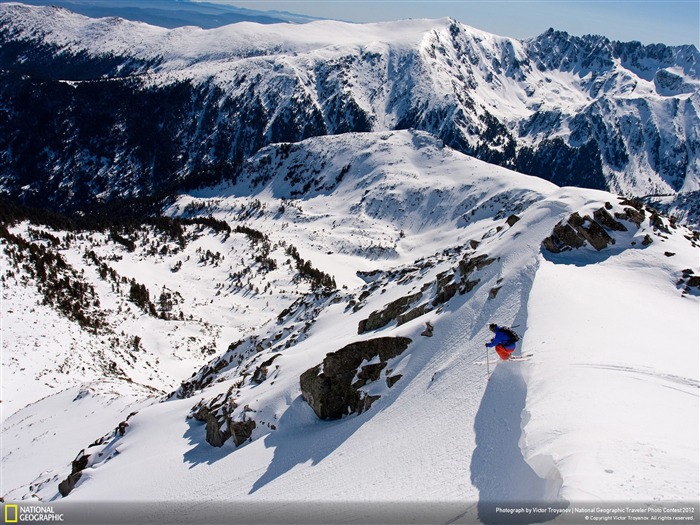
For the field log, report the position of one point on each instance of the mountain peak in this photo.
(574, 110)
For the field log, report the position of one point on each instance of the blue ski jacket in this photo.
(501, 338)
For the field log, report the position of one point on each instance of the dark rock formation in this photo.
(607, 221)
(564, 237)
(446, 288)
(412, 314)
(77, 466)
(260, 373)
(577, 230)
(216, 432)
(222, 421)
(391, 380)
(447, 285)
(121, 428)
(632, 215)
(591, 231)
(241, 430)
(216, 437)
(390, 312)
(67, 485)
(217, 416)
(467, 266)
(688, 281)
(332, 387)
(657, 222)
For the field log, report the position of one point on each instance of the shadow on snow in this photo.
(202, 451)
(304, 444)
(498, 468)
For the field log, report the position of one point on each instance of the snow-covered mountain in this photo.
(173, 13)
(98, 109)
(353, 278)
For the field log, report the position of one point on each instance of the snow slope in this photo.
(634, 434)
(605, 410)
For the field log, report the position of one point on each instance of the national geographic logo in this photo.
(14, 513)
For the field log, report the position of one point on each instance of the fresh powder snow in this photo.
(606, 410)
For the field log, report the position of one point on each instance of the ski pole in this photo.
(488, 373)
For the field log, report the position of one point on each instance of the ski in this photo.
(525, 357)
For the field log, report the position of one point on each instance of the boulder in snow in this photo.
(332, 388)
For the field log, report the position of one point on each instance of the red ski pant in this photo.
(503, 352)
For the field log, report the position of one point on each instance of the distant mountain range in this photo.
(100, 109)
(173, 13)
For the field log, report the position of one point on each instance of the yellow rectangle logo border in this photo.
(7, 508)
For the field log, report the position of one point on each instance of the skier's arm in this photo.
(498, 338)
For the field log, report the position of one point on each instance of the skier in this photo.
(504, 340)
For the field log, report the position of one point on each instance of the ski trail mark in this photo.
(649, 373)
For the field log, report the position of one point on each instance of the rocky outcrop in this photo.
(216, 414)
(446, 286)
(66, 486)
(633, 211)
(512, 219)
(241, 431)
(599, 231)
(333, 388)
(607, 221)
(412, 314)
(467, 267)
(224, 419)
(689, 282)
(216, 432)
(102, 449)
(595, 234)
(77, 466)
(261, 371)
(564, 237)
(578, 231)
(391, 311)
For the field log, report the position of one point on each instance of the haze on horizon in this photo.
(671, 22)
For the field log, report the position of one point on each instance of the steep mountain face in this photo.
(312, 336)
(94, 110)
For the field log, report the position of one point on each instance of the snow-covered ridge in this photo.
(577, 111)
(551, 50)
(435, 266)
(175, 13)
(74, 33)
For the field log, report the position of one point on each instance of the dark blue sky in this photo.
(651, 21)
